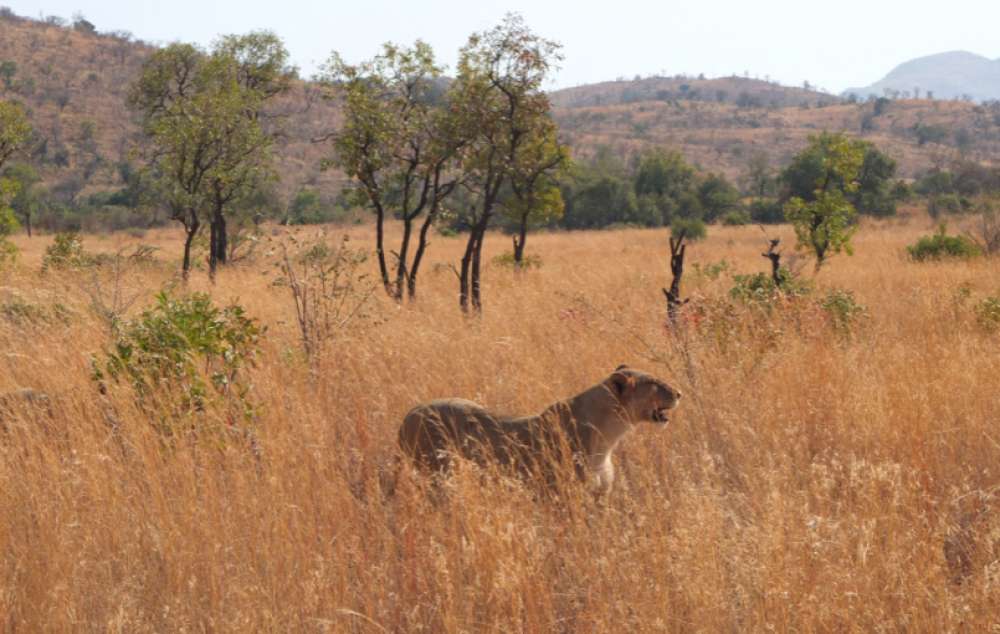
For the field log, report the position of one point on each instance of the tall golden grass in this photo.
(807, 482)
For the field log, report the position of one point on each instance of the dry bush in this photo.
(807, 482)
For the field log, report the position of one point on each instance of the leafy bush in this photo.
(843, 309)
(940, 245)
(945, 204)
(181, 355)
(736, 218)
(712, 270)
(988, 313)
(66, 252)
(760, 288)
(767, 212)
(693, 228)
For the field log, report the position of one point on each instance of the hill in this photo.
(735, 90)
(721, 137)
(952, 75)
(73, 80)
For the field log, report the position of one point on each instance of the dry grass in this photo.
(806, 483)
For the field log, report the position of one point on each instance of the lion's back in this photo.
(432, 428)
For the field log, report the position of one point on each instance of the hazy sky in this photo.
(834, 44)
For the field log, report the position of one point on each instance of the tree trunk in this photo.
(213, 237)
(191, 229)
(463, 278)
(477, 254)
(27, 224)
(222, 239)
(404, 254)
(380, 250)
(418, 256)
(519, 240)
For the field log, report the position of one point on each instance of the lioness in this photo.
(588, 425)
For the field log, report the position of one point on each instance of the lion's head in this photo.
(643, 396)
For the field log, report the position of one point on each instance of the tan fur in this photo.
(584, 429)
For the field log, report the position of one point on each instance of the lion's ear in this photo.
(621, 383)
(621, 367)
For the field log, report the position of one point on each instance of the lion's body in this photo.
(578, 433)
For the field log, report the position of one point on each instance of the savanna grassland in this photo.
(812, 479)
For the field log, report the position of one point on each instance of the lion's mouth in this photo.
(660, 415)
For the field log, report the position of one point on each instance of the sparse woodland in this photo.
(218, 452)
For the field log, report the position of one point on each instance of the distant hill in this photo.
(735, 90)
(954, 75)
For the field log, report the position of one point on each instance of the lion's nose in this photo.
(677, 396)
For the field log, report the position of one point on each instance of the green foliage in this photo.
(868, 187)
(693, 228)
(529, 261)
(202, 114)
(717, 197)
(824, 219)
(66, 252)
(759, 289)
(736, 217)
(950, 204)
(767, 211)
(941, 245)
(14, 133)
(877, 193)
(309, 207)
(843, 310)
(712, 270)
(14, 130)
(182, 355)
(988, 313)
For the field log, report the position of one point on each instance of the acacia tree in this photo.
(399, 144)
(824, 219)
(498, 97)
(202, 115)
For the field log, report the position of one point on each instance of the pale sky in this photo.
(834, 44)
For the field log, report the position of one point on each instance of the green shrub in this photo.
(843, 310)
(711, 271)
(66, 252)
(736, 218)
(988, 313)
(693, 228)
(181, 355)
(948, 203)
(760, 289)
(940, 245)
(767, 212)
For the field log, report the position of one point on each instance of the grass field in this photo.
(811, 480)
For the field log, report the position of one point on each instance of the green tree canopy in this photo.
(823, 217)
(399, 144)
(202, 113)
